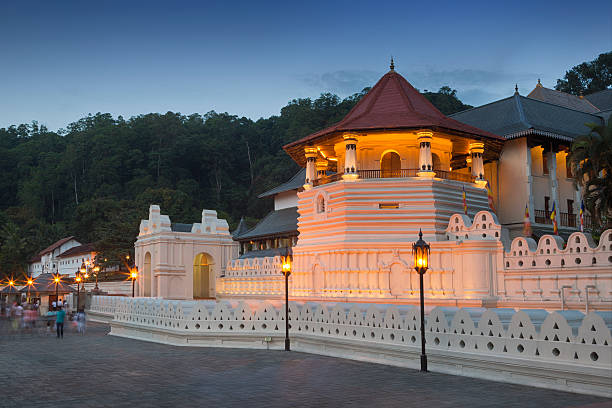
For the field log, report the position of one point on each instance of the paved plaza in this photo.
(97, 370)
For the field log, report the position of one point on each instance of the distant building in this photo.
(47, 260)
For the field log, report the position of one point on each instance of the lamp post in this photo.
(420, 252)
(30, 283)
(133, 276)
(78, 281)
(56, 279)
(287, 272)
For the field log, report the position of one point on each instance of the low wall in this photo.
(561, 350)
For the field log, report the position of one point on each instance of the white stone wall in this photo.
(286, 199)
(561, 350)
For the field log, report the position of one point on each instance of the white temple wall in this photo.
(515, 184)
(560, 350)
(286, 199)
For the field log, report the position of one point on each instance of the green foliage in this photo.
(96, 178)
(591, 161)
(588, 77)
(446, 100)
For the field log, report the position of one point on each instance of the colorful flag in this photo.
(464, 201)
(490, 197)
(553, 217)
(582, 216)
(527, 222)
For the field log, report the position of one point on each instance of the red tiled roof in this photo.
(77, 250)
(55, 245)
(395, 104)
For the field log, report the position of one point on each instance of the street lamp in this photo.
(96, 269)
(287, 272)
(78, 281)
(56, 279)
(30, 283)
(133, 276)
(420, 252)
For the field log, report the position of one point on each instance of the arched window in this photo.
(390, 165)
(320, 204)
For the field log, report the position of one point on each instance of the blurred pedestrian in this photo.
(59, 322)
(81, 322)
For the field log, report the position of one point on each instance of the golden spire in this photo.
(539, 85)
(516, 89)
(392, 66)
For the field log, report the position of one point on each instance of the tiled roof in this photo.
(44, 284)
(518, 115)
(241, 228)
(277, 222)
(77, 250)
(296, 182)
(394, 104)
(55, 245)
(562, 99)
(602, 99)
(264, 253)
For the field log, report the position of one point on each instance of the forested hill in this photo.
(96, 179)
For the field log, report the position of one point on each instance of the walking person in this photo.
(59, 322)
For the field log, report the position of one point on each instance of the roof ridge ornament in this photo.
(539, 85)
(516, 92)
(392, 66)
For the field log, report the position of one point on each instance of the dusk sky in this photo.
(62, 60)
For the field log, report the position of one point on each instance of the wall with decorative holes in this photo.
(563, 350)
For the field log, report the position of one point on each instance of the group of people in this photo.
(23, 317)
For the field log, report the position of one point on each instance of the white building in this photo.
(48, 260)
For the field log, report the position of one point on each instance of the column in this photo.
(321, 168)
(311, 158)
(554, 182)
(425, 160)
(350, 158)
(476, 152)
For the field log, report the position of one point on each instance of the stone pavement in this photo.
(96, 370)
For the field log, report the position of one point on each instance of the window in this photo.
(568, 167)
(320, 204)
(544, 162)
(546, 206)
(570, 207)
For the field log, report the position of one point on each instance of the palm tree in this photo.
(591, 162)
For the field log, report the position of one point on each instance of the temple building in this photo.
(394, 166)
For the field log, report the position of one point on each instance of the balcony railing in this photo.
(376, 174)
(565, 219)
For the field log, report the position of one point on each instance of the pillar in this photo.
(554, 181)
(425, 160)
(350, 158)
(476, 153)
(321, 166)
(311, 158)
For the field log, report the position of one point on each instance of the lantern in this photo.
(420, 252)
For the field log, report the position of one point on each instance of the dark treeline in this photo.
(96, 178)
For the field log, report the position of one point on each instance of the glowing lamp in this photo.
(420, 252)
(133, 274)
(83, 269)
(96, 269)
(127, 257)
(30, 282)
(56, 279)
(11, 282)
(78, 279)
(86, 275)
(286, 265)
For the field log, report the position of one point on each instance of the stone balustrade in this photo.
(561, 350)
(252, 276)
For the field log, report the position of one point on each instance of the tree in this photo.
(591, 162)
(588, 77)
(446, 100)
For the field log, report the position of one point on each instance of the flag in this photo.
(490, 197)
(582, 216)
(464, 201)
(553, 217)
(527, 222)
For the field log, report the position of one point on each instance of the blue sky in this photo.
(60, 60)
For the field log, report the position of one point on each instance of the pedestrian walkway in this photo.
(96, 370)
